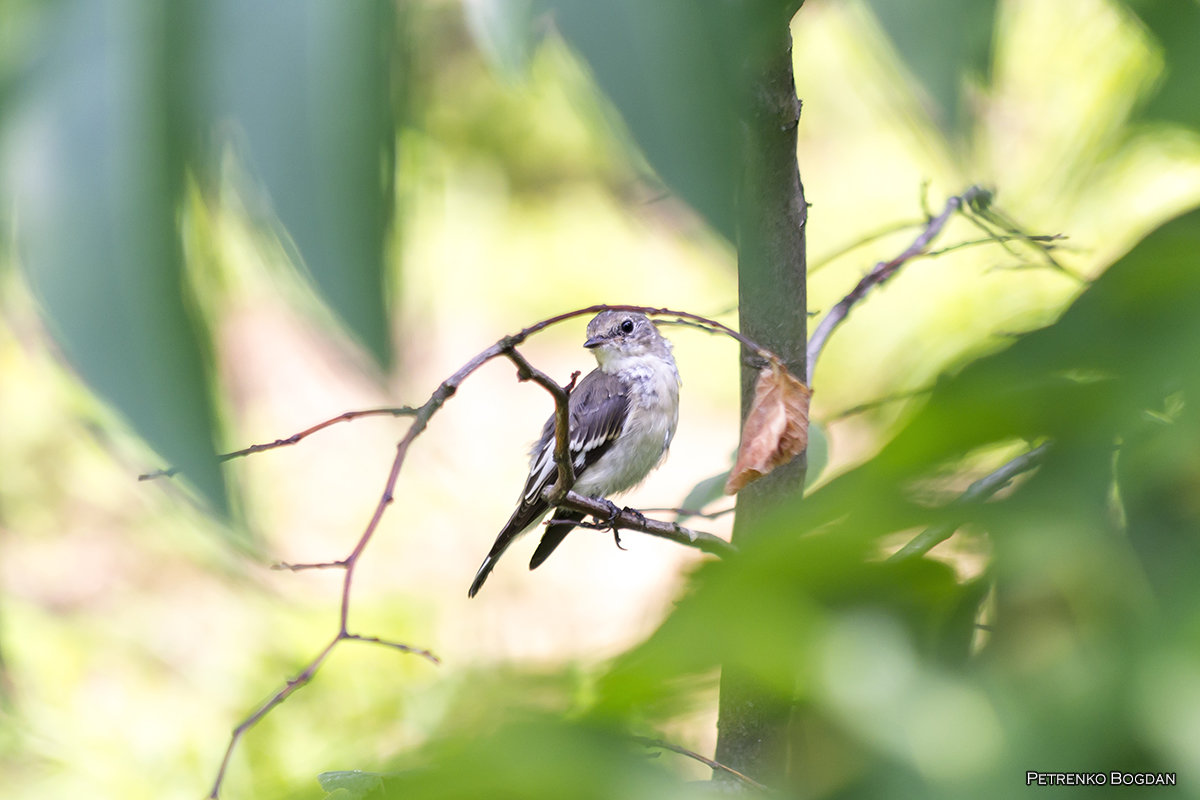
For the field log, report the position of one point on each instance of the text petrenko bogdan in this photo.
(1099, 778)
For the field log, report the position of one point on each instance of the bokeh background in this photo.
(140, 621)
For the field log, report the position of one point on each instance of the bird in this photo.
(622, 418)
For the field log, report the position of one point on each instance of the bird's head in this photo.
(618, 335)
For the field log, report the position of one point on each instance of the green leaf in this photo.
(96, 176)
(703, 493)
(350, 784)
(537, 755)
(310, 86)
(942, 42)
(1103, 602)
(1176, 25)
(672, 69)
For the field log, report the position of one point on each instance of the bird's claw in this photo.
(611, 520)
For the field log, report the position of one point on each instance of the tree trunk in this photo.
(752, 723)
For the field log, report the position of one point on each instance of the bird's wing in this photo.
(597, 411)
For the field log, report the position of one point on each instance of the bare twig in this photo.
(561, 496)
(562, 418)
(630, 520)
(400, 411)
(871, 405)
(405, 648)
(302, 678)
(683, 513)
(863, 241)
(708, 762)
(880, 274)
(649, 311)
(998, 239)
(420, 420)
(285, 565)
(987, 218)
(981, 489)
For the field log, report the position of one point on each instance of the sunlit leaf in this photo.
(1176, 25)
(704, 493)
(350, 784)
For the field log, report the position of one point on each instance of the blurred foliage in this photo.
(1176, 27)
(881, 653)
(128, 98)
(1083, 572)
(962, 55)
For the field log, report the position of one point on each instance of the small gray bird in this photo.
(622, 418)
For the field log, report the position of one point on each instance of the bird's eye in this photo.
(627, 326)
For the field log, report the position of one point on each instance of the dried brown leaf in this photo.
(776, 429)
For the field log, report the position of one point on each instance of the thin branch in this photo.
(502, 347)
(290, 567)
(881, 273)
(683, 513)
(874, 236)
(878, 402)
(981, 489)
(708, 762)
(404, 648)
(1053, 237)
(400, 411)
(420, 420)
(711, 324)
(630, 520)
(302, 679)
(985, 217)
(562, 418)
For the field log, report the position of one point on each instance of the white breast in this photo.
(653, 415)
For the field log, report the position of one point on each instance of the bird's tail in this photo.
(525, 517)
(481, 576)
(554, 535)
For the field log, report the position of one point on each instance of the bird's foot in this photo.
(616, 532)
(610, 521)
(613, 512)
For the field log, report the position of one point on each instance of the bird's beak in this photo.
(594, 341)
